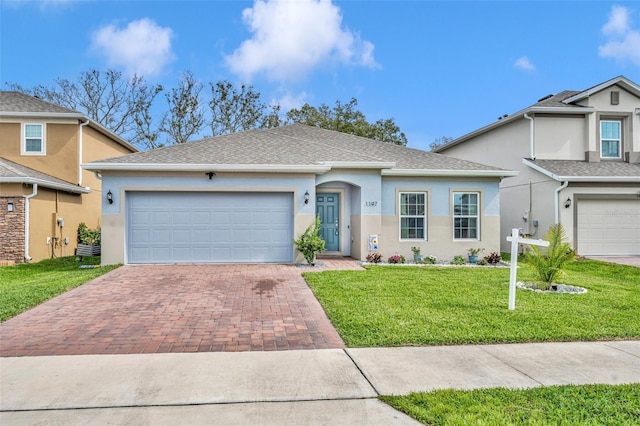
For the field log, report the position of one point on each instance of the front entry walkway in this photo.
(178, 308)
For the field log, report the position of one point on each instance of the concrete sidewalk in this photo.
(330, 386)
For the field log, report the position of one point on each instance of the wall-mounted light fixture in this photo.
(306, 197)
(110, 197)
(567, 203)
(210, 174)
(9, 207)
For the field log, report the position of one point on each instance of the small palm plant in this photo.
(549, 265)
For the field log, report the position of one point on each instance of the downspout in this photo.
(80, 151)
(26, 221)
(532, 153)
(556, 202)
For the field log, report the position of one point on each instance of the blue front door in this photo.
(328, 208)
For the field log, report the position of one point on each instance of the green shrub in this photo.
(310, 243)
(458, 260)
(549, 265)
(429, 260)
(88, 236)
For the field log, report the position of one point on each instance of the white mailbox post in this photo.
(516, 239)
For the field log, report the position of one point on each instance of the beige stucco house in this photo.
(578, 154)
(44, 192)
(244, 197)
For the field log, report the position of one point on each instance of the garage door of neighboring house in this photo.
(608, 227)
(205, 227)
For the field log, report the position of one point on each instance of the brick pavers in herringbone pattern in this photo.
(178, 308)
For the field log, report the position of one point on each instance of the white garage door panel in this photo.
(170, 227)
(609, 227)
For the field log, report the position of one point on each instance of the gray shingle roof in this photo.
(557, 100)
(294, 145)
(573, 168)
(20, 102)
(14, 172)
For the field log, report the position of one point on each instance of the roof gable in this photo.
(17, 104)
(619, 81)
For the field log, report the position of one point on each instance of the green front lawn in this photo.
(26, 285)
(554, 405)
(396, 306)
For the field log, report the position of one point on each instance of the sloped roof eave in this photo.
(573, 178)
(450, 173)
(178, 167)
(47, 184)
(18, 114)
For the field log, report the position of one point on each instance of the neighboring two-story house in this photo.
(578, 153)
(44, 193)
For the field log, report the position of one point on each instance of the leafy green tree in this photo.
(347, 118)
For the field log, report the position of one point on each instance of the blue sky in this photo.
(439, 68)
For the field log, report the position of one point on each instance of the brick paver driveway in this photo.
(176, 308)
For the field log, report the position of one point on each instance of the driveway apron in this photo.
(177, 308)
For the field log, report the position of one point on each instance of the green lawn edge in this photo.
(434, 305)
(551, 405)
(27, 285)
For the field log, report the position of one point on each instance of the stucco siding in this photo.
(45, 208)
(560, 137)
(504, 147)
(440, 243)
(439, 240)
(61, 157)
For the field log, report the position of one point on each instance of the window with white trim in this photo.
(466, 216)
(413, 215)
(33, 139)
(610, 139)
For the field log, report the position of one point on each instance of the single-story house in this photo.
(244, 197)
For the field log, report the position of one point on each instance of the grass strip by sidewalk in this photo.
(553, 405)
(26, 285)
(400, 306)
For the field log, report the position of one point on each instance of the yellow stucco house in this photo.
(44, 192)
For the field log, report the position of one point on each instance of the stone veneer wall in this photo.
(12, 229)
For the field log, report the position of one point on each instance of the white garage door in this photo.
(609, 227)
(198, 227)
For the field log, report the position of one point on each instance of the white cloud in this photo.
(524, 63)
(290, 38)
(623, 41)
(142, 47)
(289, 101)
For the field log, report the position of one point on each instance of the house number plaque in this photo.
(370, 203)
